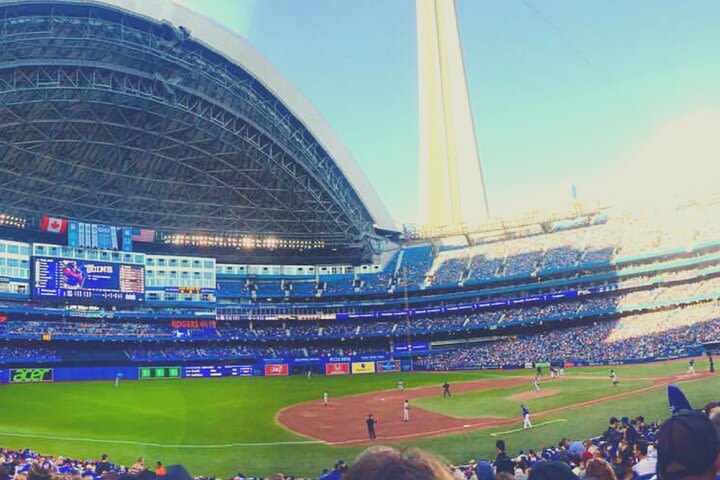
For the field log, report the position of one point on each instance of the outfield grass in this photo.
(496, 402)
(195, 422)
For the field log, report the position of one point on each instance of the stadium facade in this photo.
(172, 207)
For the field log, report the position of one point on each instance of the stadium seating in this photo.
(655, 335)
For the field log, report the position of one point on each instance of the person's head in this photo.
(613, 421)
(551, 471)
(714, 416)
(599, 469)
(688, 448)
(484, 470)
(385, 463)
(104, 456)
(640, 449)
(712, 410)
(500, 445)
(158, 464)
(370, 415)
(505, 476)
(37, 472)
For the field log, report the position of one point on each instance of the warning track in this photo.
(343, 421)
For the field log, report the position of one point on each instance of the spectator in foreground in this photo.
(385, 463)
(599, 469)
(138, 467)
(503, 463)
(688, 448)
(645, 465)
(160, 470)
(551, 471)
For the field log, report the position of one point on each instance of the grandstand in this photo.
(173, 208)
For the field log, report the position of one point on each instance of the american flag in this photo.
(143, 235)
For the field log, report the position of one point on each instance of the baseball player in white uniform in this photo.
(325, 398)
(536, 382)
(400, 385)
(406, 411)
(526, 417)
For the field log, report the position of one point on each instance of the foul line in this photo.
(159, 445)
(495, 434)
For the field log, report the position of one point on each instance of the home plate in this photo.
(466, 426)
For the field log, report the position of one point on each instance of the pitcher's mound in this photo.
(533, 395)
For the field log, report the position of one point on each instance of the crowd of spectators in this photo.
(604, 303)
(685, 446)
(155, 353)
(659, 334)
(415, 264)
(34, 354)
(60, 329)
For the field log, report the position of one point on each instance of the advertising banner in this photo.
(363, 367)
(337, 369)
(276, 369)
(31, 375)
(386, 366)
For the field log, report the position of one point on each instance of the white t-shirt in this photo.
(645, 466)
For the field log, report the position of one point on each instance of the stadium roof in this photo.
(144, 113)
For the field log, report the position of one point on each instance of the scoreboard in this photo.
(209, 371)
(87, 280)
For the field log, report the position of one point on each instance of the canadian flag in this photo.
(53, 224)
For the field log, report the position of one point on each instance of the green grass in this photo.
(193, 415)
(495, 402)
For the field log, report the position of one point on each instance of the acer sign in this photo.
(31, 375)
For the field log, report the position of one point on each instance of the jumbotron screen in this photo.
(87, 280)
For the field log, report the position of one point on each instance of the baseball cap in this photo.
(484, 471)
(688, 444)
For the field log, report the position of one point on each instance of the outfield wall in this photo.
(376, 364)
(268, 367)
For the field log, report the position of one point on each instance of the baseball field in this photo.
(264, 425)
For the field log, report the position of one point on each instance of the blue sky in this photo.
(620, 98)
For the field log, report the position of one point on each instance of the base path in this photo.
(342, 422)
